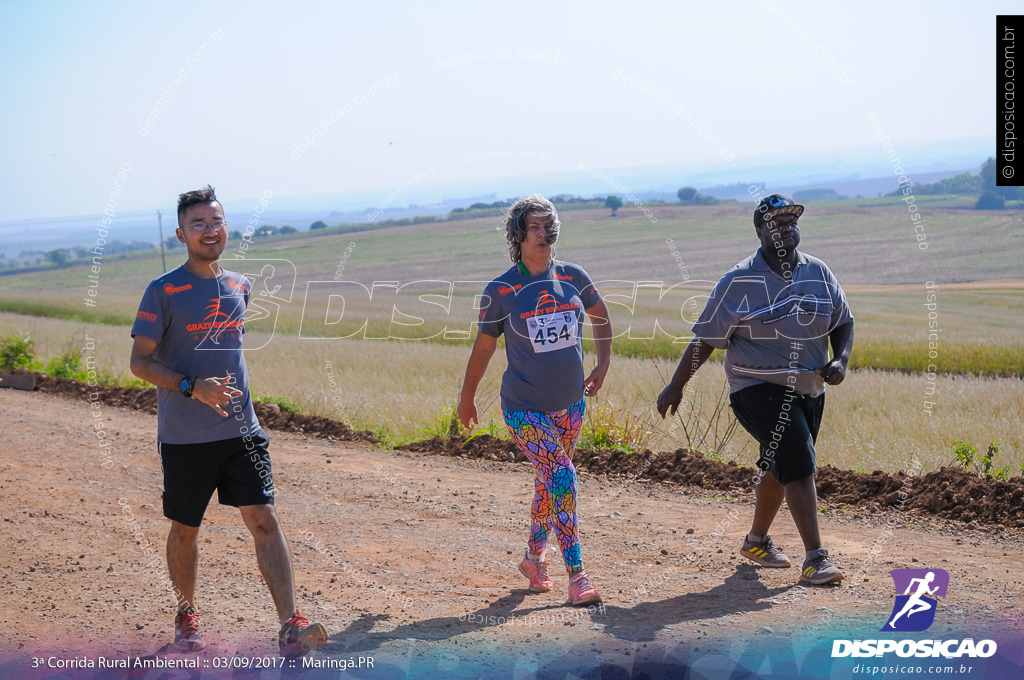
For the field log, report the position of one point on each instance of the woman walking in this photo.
(538, 304)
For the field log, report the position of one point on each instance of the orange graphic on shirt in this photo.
(214, 308)
(171, 290)
(212, 320)
(546, 298)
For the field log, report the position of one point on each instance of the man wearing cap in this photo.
(775, 315)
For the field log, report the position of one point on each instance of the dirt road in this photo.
(411, 560)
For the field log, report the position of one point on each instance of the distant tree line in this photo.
(498, 208)
(690, 196)
(817, 195)
(743, 191)
(992, 197)
(63, 257)
(236, 234)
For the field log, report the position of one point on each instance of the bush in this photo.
(67, 365)
(16, 351)
(444, 424)
(284, 403)
(968, 458)
(990, 200)
(964, 453)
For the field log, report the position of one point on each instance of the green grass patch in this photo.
(444, 424)
(286, 404)
(607, 426)
(958, 359)
(17, 352)
(63, 312)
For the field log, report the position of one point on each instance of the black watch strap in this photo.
(187, 391)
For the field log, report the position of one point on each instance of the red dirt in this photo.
(412, 558)
(949, 493)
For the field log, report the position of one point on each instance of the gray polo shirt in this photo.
(542, 320)
(774, 329)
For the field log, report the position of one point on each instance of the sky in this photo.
(296, 99)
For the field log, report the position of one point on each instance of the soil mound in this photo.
(144, 399)
(950, 493)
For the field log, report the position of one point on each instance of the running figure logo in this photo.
(546, 298)
(914, 610)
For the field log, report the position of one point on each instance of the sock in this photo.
(535, 558)
(811, 554)
(751, 539)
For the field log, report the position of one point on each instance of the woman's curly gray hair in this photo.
(515, 223)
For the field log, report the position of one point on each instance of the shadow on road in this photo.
(740, 593)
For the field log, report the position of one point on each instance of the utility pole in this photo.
(160, 225)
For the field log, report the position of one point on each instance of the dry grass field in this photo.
(875, 420)
(396, 270)
(401, 388)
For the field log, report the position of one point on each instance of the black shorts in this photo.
(239, 469)
(785, 424)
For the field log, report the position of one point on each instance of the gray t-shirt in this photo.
(198, 325)
(773, 329)
(542, 320)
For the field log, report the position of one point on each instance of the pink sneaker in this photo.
(537, 572)
(581, 591)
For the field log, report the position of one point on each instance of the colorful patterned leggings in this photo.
(549, 442)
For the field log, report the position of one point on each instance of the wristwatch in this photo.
(186, 386)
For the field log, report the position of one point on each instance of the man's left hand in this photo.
(216, 393)
(833, 373)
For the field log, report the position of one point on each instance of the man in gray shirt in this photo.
(775, 314)
(188, 342)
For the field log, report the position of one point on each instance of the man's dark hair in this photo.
(197, 197)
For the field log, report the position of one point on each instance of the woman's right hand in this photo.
(483, 349)
(467, 413)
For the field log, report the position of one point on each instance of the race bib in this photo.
(553, 331)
